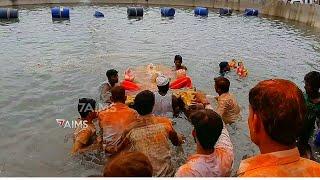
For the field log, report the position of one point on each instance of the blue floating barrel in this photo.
(201, 11)
(60, 13)
(167, 11)
(317, 139)
(251, 12)
(225, 11)
(98, 14)
(7, 13)
(135, 11)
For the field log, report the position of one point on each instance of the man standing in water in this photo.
(165, 101)
(85, 137)
(178, 63)
(105, 88)
(114, 120)
(224, 68)
(214, 156)
(276, 113)
(312, 99)
(150, 134)
(227, 107)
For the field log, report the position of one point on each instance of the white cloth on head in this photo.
(162, 80)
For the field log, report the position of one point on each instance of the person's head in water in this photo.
(178, 62)
(221, 85)
(129, 164)
(144, 102)
(207, 128)
(276, 114)
(86, 108)
(224, 67)
(163, 84)
(118, 94)
(312, 84)
(112, 76)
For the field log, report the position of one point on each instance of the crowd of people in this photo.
(136, 139)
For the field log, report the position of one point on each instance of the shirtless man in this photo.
(105, 88)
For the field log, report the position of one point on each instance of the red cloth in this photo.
(181, 83)
(130, 86)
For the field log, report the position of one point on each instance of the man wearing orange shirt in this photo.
(276, 114)
(114, 120)
(150, 135)
(214, 154)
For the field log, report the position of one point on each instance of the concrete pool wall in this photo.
(308, 14)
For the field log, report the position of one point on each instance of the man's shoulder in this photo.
(104, 85)
(184, 67)
(117, 108)
(114, 113)
(186, 171)
(302, 168)
(161, 119)
(309, 164)
(194, 167)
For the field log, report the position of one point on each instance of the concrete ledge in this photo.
(305, 13)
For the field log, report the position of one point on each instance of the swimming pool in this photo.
(46, 66)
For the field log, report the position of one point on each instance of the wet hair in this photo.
(111, 72)
(313, 78)
(222, 83)
(85, 106)
(118, 94)
(164, 89)
(144, 102)
(208, 126)
(178, 58)
(280, 106)
(129, 164)
(223, 65)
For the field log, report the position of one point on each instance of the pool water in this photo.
(47, 66)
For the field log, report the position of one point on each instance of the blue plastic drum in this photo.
(225, 11)
(60, 13)
(251, 12)
(167, 11)
(98, 14)
(7, 13)
(317, 139)
(135, 11)
(201, 11)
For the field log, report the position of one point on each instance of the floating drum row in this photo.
(135, 11)
(63, 13)
(7, 13)
(201, 11)
(60, 13)
(251, 12)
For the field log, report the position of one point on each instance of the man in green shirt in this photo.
(312, 99)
